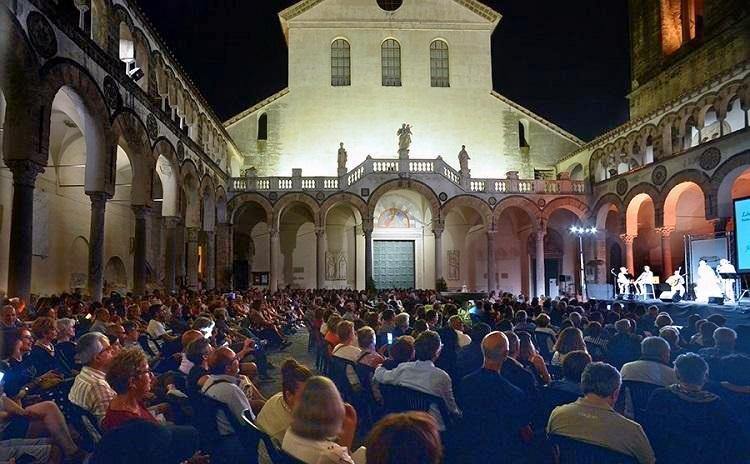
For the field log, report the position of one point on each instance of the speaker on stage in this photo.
(717, 300)
(667, 296)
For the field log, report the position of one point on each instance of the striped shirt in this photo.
(92, 392)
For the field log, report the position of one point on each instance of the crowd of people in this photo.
(400, 376)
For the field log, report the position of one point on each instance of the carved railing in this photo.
(416, 168)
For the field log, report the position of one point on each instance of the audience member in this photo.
(592, 420)
(276, 415)
(570, 339)
(405, 438)
(90, 389)
(654, 366)
(624, 346)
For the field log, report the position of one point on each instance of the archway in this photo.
(251, 250)
(684, 214)
(576, 172)
(403, 245)
(298, 258)
(115, 276)
(465, 230)
(561, 252)
(344, 247)
(642, 241)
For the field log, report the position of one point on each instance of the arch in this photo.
(341, 62)
(722, 181)
(167, 173)
(468, 201)
(262, 126)
(574, 205)
(648, 189)
(115, 274)
(600, 211)
(576, 172)
(632, 210)
(132, 137)
(93, 113)
(291, 198)
(338, 199)
(672, 198)
(404, 184)
(222, 214)
(690, 175)
(236, 205)
(516, 201)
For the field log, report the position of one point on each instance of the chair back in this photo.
(84, 422)
(541, 340)
(570, 451)
(596, 351)
(639, 393)
(337, 371)
(397, 398)
(275, 454)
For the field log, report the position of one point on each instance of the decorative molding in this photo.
(41, 34)
(659, 175)
(152, 127)
(112, 93)
(709, 159)
(622, 187)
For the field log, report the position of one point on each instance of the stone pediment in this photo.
(469, 13)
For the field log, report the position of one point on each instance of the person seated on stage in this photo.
(724, 341)
(677, 283)
(593, 420)
(688, 424)
(645, 281)
(653, 366)
(725, 267)
(623, 281)
(706, 283)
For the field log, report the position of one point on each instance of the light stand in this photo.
(580, 232)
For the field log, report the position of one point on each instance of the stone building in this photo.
(117, 175)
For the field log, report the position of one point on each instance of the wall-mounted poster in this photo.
(260, 278)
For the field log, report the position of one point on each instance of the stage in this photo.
(680, 311)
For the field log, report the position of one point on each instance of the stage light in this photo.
(580, 231)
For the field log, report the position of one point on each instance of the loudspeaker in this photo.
(717, 300)
(666, 296)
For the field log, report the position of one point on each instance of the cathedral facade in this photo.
(388, 160)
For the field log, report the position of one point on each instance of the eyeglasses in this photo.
(143, 371)
(27, 337)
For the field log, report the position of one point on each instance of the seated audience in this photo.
(624, 346)
(130, 377)
(43, 357)
(197, 353)
(592, 419)
(319, 418)
(734, 389)
(724, 341)
(515, 372)
(66, 345)
(90, 389)
(531, 359)
(276, 415)
(347, 347)
(457, 325)
(470, 358)
(405, 438)
(688, 424)
(422, 374)
(21, 378)
(400, 352)
(366, 340)
(402, 325)
(672, 336)
(653, 367)
(494, 410)
(570, 339)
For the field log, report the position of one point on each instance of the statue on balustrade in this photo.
(404, 140)
(342, 157)
(463, 160)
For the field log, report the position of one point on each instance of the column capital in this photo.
(491, 233)
(438, 227)
(367, 225)
(320, 232)
(665, 232)
(273, 232)
(170, 222)
(24, 171)
(140, 211)
(627, 239)
(98, 197)
(192, 234)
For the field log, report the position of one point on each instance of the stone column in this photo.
(491, 283)
(540, 277)
(600, 252)
(367, 228)
(179, 253)
(666, 251)
(21, 225)
(210, 257)
(629, 261)
(320, 235)
(273, 281)
(96, 244)
(437, 230)
(139, 252)
(223, 255)
(192, 257)
(170, 253)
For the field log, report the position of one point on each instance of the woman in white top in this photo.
(322, 428)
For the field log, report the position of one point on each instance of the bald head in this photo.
(222, 361)
(494, 349)
(190, 336)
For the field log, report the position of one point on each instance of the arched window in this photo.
(523, 134)
(263, 127)
(439, 69)
(391, 63)
(340, 63)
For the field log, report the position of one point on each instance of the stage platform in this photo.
(680, 311)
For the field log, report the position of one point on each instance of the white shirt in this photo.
(463, 339)
(275, 417)
(155, 329)
(425, 377)
(647, 371)
(91, 391)
(315, 452)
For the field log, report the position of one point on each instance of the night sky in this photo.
(565, 60)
